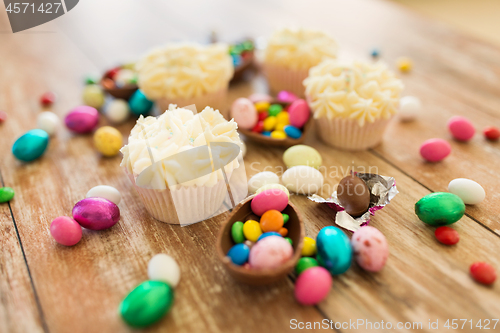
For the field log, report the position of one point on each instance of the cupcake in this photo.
(352, 103)
(185, 74)
(291, 53)
(177, 190)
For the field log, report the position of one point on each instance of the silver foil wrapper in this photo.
(382, 191)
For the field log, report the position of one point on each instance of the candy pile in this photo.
(120, 77)
(242, 55)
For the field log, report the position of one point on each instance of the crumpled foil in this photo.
(382, 191)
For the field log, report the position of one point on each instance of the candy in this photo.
(111, 73)
(244, 113)
(262, 106)
(274, 109)
(278, 187)
(108, 141)
(270, 252)
(286, 97)
(490, 133)
(434, 150)
(237, 232)
(267, 234)
(447, 235)
(266, 133)
(261, 116)
(283, 118)
(106, 192)
(483, 273)
(82, 119)
(117, 111)
(90, 79)
(124, 77)
(461, 128)
(302, 179)
(96, 213)
(139, 103)
(267, 200)
(48, 121)
(299, 113)
(252, 230)
(3, 116)
(375, 53)
(404, 64)
(289, 240)
(305, 263)
(163, 267)
(312, 286)
(6, 194)
(272, 220)
(370, 248)
(293, 132)
(302, 155)
(286, 217)
(283, 232)
(280, 135)
(239, 254)
(353, 195)
(334, 250)
(280, 128)
(66, 231)
(468, 190)
(269, 123)
(48, 99)
(147, 303)
(440, 208)
(309, 248)
(261, 179)
(30, 145)
(409, 108)
(259, 127)
(93, 96)
(257, 97)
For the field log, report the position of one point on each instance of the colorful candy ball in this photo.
(483, 273)
(370, 248)
(270, 252)
(313, 285)
(461, 128)
(267, 200)
(163, 267)
(139, 104)
(446, 235)
(117, 111)
(309, 248)
(272, 220)
(82, 119)
(108, 141)
(491, 133)
(96, 213)
(93, 96)
(239, 254)
(30, 145)
(435, 150)
(66, 231)
(48, 121)
(244, 113)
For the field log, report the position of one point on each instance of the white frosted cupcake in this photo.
(289, 55)
(166, 186)
(352, 103)
(185, 74)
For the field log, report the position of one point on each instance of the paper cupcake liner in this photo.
(216, 100)
(347, 134)
(282, 78)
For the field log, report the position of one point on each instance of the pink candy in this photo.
(66, 231)
(82, 119)
(434, 150)
(461, 128)
(286, 97)
(269, 199)
(244, 113)
(96, 213)
(270, 252)
(370, 248)
(299, 113)
(313, 285)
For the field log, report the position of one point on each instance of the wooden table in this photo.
(45, 287)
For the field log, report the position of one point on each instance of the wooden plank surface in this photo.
(80, 288)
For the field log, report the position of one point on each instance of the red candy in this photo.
(3, 116)
(263, 115)
(112, 73)
(48, 99)
(259, 127)
(483, 272)
(491, 133)
(447, 235)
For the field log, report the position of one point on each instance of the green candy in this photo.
(305, 263)
(289, 240)
(147, 303)
(90, 80)
(274, 109)
(6, 194)
(285, 218)
(237, 232)
(440, 208)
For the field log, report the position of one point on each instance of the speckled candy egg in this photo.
(82, 119)
(312, 286)
(267, 200)
(108, 141)
(262, 178)
(93, 96)
(117, 111)
(302, 179)
(139, 103)
(270, 252)
(48, 121)
(30, 145)
(106, 192)
(334, 250)
(244, 113)
(370, 248)
(96, 213)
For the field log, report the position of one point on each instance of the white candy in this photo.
(106, 192)
(124, 77)
(117, 111)
(261, 179)
(48, 121)
(468, 190)
(409, 108)
(164, 268)
(302, 179)
(273, 186)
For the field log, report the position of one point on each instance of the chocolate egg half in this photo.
(353, 195)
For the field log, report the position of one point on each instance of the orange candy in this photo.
(272, 220)
(283, 232)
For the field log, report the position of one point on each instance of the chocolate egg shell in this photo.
(353, 195)
(96, 213)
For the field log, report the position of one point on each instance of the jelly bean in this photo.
(283, 118)
(259, 127)
(334, 250)
(302, 179)
(440, 208)
(267, 200)
(244, 113)
(302, 155)
(309, 248)
(483, 273)
(404, 64)
(447, 235)
(375, 53)
(275, 109)
(117, 111)
(435, 150)
(257, 97)
(280, 128)
(147, 303)
(163, 267)
(461, 128)
(139, 104)
(266, 133)
(252, 230)
(277, 187)
(370, 248)
(267, 234)
(262, 178)
(106, 192)
(48, 99)
(66, 231)
(289, 240)
(272, 220)
(280, 135)
(299, 113)
(3, 116)
(468, 190)
(96, 213)
(286, 217)
(409, 108)
(262, 106)
(286, 97)
(283, 232)
(269, 123)
(292, 132)
(82, 119)
(108, 141)
(262, 115)
(239, 254)
(48, 121)
(312, 286)
(237, 232)
(491, 133)
(31, 145)
(270, 252)
(6, 194)
(93, 96)
(305, 263)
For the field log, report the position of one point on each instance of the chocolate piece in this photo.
(353, 195)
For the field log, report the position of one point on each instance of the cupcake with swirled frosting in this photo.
(289, 55)
(185, 74)
(352, 103)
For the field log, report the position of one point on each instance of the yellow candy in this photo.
(278, 135)
(283, 118)
(251, 230)
(262, 106)
(404, 64)
(108, 140)
(269, 123)
(309, 248)
(280, 127)
(93, 96)
(273, 186)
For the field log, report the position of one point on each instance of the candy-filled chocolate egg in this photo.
(96, 213)
(353, 195)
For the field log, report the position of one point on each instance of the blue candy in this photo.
(239, 254)
(334, 250)
(375, 53)
(139, 104)
(236, 60)
(293, 132)
(266, 133)
(267, 234)
(31, 145)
